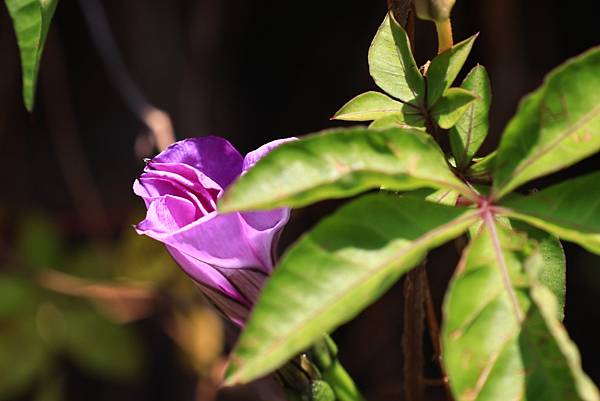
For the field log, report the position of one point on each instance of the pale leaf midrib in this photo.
(370, 274)
(542, 151)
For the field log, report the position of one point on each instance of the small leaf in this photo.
(570, 210)
(409, 118)
(444, 197)
(31, 21)
(392, 64)
(555, 126)
(445, 67)
(390, 121)
(368, 106)
(482, 167)
(347, 262)
(340, 163)
(491, 351)
(471, 129)
(451, 106)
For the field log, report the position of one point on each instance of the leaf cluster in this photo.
(502, 333)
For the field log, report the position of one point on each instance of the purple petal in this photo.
(183, 181)
(232, 291)
(157, 187)
(236, 312)
(205, 274)
(254, 156)
(219, 240)
(213, 156)
(263, 229)
(215, 286)
(183, 174)
(167, 214)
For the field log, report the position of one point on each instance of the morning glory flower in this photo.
(228, 255)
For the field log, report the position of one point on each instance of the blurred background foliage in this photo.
(91, 311)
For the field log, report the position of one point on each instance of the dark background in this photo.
(250, 71)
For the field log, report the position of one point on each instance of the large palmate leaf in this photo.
(570, 210)
(340, 163)
(445, 67)
(368, 106)
(501, 336)
(391, 62)
(471, 129)
(31, 20)
(336, 270)
(555, 126)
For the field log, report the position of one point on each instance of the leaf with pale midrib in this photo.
(368, 106)
(554, 127)
(451, 107)
(495, 350)
(335, 271)
(471, 129)
(341, 163)
(392, 65)
(445, 67)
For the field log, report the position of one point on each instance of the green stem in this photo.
(324, 354)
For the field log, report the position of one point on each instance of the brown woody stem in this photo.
(412, 334)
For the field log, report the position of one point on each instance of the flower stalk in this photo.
(444, 33)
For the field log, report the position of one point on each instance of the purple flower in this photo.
(228, 255)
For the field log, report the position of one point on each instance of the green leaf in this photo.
(501, 338)
(445, 67)
(451, 107)
(347, 262)
(482, 167)
(570, 210)
(471, 129)
(390, 121)
(444, 196)
(368, 106)
(409, 118)
(31, 21)
(392, 64)
(555, 126)
(340, 163)
(554, 264)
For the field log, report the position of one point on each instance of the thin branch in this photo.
(60, 117)
(434, 334)
(157, 121)
(412, 334)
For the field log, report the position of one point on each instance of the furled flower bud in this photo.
(434, 10)
(228, 255)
